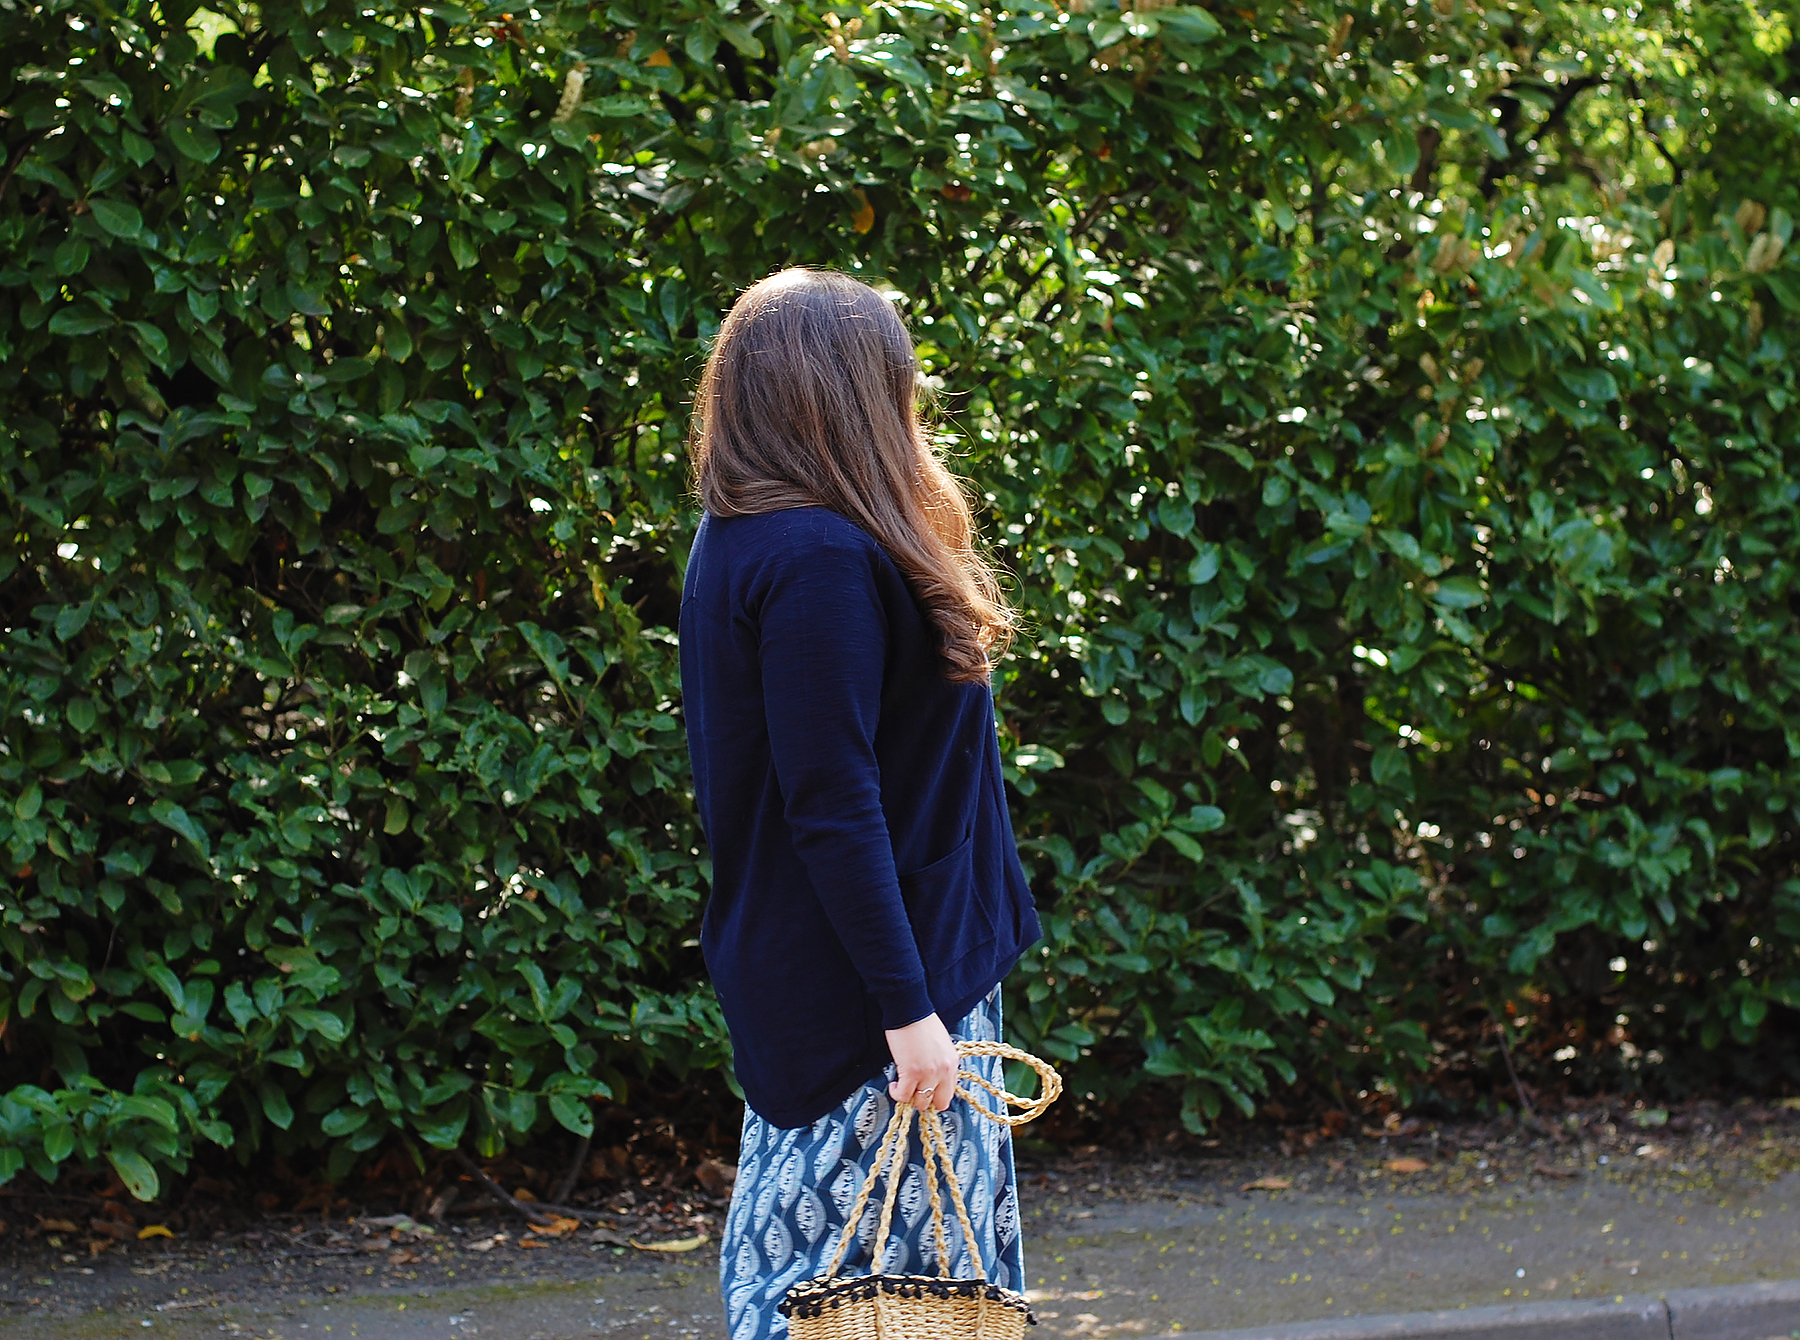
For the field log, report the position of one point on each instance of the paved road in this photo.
(1234, 1260)
(1113, 1251)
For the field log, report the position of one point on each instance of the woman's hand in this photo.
(927, 1061)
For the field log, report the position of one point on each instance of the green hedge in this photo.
(1388, 414)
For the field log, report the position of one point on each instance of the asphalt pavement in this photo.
(1349, 1235)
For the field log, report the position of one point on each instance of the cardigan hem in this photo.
(953, 1012)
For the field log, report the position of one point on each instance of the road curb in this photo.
(1736, 1311)
(1763, 1311)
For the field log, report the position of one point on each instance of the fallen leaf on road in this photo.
(56, 1226)
(1268, 1184)
(112, 1228)
(678, 1245)
(485, 1244)
(1393, 1126)
(1545, 1170)
(532, 1242)
(149, 1231)
(717, 1178)
(1407, 1165)
(605, 1237)
(557, 1226)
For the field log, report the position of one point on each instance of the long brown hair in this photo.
(810, 398)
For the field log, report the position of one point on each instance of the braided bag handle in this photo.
(890, 1157)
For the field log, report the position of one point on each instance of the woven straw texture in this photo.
(921, 1307)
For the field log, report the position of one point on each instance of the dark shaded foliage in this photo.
(1388, 415)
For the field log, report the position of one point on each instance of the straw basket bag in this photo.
(921, 1307)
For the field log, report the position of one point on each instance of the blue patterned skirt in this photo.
(795, 1189)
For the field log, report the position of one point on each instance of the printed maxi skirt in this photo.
(795, 1189)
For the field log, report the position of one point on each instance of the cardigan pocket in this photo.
(952, 911)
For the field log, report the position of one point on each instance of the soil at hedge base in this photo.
(305, 1261)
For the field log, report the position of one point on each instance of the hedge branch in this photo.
(1506, 1055)
(567, 1184)
(530, 1212)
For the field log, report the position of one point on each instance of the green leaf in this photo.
(1595, 385)
(572, 1113)
(121, 219)
(79, 320)
(193, 141)
(138, 149)
(344, 1120)
(742, 38)
(171, 815)
(59, 1141)
(1184, 844)
(1176, 515)
(136, 1172)
(153, 1110)
(72, 619)
(462, 248)
(1316, 990)
(275, 1105)
(620, 105)
(1392, 768)
(444, 1128)
(326, 1024)
(1459, 593)
(1188, 25)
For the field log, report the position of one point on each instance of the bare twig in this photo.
(18, 158)
(530, 1212)
(571, 1212)
(1637, 96)
(441, 1203)
(1506, 1055)
(537, 1212)
(1429, 138)
(567, 1185)
(1006, 224)
(1559, 111)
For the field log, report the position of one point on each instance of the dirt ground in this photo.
(1277, 1226)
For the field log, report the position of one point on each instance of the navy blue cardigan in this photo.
(863, 867)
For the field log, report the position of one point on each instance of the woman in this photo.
(836, 628)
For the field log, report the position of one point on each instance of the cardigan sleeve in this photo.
(823, 648)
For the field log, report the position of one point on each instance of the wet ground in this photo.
(1414, 1217)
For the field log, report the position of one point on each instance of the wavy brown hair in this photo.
(810, 398)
